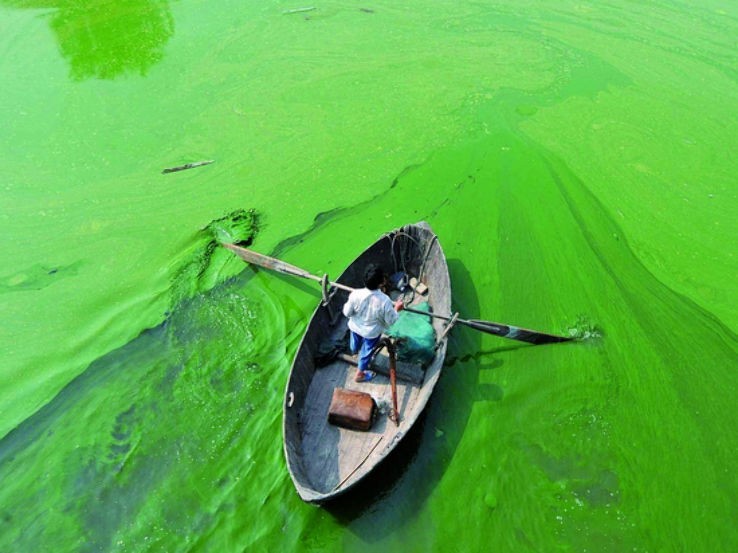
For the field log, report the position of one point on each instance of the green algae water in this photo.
(575, 159)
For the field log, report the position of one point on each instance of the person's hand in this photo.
(399, 306)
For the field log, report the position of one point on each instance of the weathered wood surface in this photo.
(409, 372)
(335, 452)
(325, 460)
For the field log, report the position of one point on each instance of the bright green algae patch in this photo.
(575, 162)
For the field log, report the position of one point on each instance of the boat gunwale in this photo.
(434, 369)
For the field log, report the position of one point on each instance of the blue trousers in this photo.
(363, 346)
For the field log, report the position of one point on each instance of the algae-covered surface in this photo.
(576, 159)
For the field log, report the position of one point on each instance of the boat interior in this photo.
(325, 458)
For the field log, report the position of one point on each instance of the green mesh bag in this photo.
(416, 334)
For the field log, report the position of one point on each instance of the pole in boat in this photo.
(391, 345)
(395, 414)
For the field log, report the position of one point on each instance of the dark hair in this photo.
(373, 276)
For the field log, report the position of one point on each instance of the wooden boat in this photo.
(325, 460)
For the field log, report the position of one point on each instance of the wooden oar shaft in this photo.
(505, 331)
(497, 329)
(428, 314)
(280, 266)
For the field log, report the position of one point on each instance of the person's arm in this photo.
(349, 309)
(391, 313)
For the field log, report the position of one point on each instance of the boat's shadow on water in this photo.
(398, 488)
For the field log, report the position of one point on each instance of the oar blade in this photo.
(267, 262)
(514, 332)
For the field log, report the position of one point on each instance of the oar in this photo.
(276, 265)
(506, 331)
(497, 329)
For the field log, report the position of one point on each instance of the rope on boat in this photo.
(342, 482)
(449, 325)
(324, 289)
(426, 256)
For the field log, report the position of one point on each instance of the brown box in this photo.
(353, 410)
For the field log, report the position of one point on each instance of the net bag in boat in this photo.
(417, 338)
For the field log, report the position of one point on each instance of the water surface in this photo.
(577, 163)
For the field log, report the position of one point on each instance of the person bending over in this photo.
(370, 312)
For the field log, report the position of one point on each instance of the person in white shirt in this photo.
(370, 312)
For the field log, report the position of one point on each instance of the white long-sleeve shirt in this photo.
(370, 312)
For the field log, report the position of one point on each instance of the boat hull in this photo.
(324, 460)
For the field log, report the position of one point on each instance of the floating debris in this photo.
(366, 10)
(299, 10)
(187, 166)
